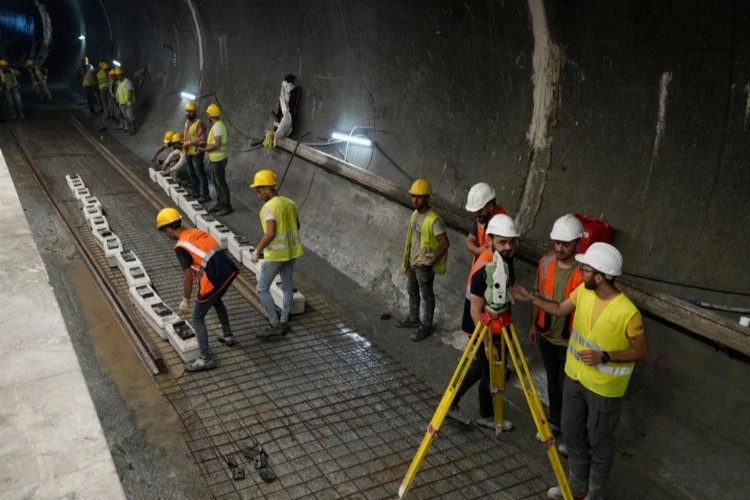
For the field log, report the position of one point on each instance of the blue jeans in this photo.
(268, 272)
(197, 173)
(200, 309)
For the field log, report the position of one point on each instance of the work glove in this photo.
(255, 257)
(184, 308)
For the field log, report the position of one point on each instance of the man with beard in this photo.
(217, 147)
(482, 203)
(425, 255)
(557, 276)
(605, 342)
(502, 233)
(195, 137)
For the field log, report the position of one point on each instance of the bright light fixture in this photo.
(188, 96)
(82, 38)
(362, 141)
(116, 63)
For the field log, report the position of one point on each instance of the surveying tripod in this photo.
(489, 324)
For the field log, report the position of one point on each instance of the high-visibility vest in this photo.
(482, 237)
(89, 79)
(212, 273)
(103, 79)
(608, 334)
(484, 261)
(546, 286)
(218, 154)
(191, 134)
(287, 243)
(428, 243)
(122, 92)
(481, 261)
(8, 78)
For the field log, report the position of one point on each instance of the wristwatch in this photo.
(532, 296)
(605, 357)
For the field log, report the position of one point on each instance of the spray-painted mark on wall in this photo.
(223, 51)
(661, 125)
(747, 105)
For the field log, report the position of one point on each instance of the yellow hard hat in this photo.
(3, 63)
(103, 64)
(168, 136)
(421, 187)
(117, 72)
(213, 110)
(29, 62)
(85, 60)
(264, 178)
(166, 216)
(111, 72)
(190, 106)
(176, 137)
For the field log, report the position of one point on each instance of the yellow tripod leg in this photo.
(475, 343)
(497, 383)
(535, 406)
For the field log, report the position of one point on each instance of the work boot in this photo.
(422, 333)
(225, 211)
(562, 449)
(215, 208)
(200, 365)
(227, 340)
(455, 415)
(204, 199)
(408, 323)
(489, 423)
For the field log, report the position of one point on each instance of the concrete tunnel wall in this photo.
(634, 112)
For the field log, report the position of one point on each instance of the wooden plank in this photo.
(702, 322)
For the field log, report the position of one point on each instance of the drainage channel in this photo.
(336, 415)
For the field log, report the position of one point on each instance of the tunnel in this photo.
(631, 114)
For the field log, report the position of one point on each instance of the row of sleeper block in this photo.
(237, 245)
(162, 319)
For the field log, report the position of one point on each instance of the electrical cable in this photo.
(226, 116)
(707, 288)
(294, 153)
(719, 307)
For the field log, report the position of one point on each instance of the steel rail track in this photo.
(147, 351)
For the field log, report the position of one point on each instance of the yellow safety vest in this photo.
(103, 79)
(218, 154)
(608, 334)
(191, 133)
(427, 241)
(89, 79)
(8, 78)
(287, 244)
(122, 92)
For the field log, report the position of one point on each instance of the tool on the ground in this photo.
(488, 323)
(238, 473)
(258, 455)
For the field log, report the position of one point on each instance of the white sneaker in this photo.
(200, 365)
(562, 449)
(489, 423)
(554, 493)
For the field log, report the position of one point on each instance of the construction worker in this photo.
(202, 260)
(90, 87)
(425, 255)
(9, 80)
(502, 232)
(166, 143)
(288, 101)
(38, 77)
(557, 276)
(125, 100)
(482, 203)
(175, 165)
(113, 83)
(194, 133)
(103, 83)
(605, 342)
(281, 246)
(217, 145)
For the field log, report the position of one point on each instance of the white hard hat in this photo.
(502, 225)
(479, 195)
(603, 257)
(566, 228)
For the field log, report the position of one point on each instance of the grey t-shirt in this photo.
(416, 235)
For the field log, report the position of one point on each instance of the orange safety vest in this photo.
(482, 237)
(202, 248)
(546, 286)
(480, 263)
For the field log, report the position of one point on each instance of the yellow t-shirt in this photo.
(635, 325)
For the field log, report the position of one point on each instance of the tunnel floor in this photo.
(336, 414)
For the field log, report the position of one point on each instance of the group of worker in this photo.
(109, 92)
(10, 87)
(590, 334)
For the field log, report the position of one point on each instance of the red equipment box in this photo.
(594, 230)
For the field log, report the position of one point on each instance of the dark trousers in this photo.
(553, 357)
(588, 424)
(218, 177)
(197, 173)
(479, 371)
(92, 99)
(419, 283)
(200, 309)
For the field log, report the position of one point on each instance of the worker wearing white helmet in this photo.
(480, 297)
(557, 276)
(605, 342)
(482, 203)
